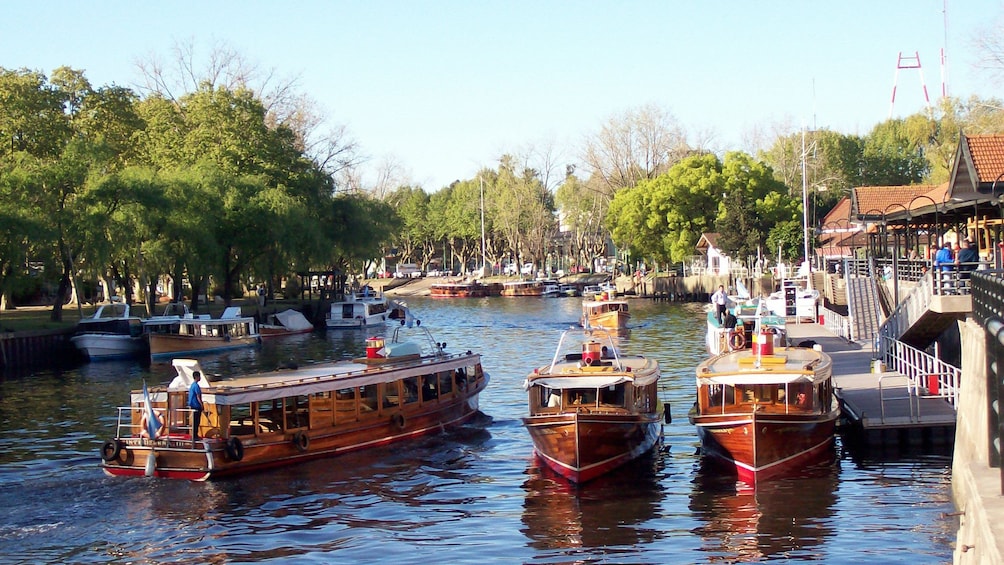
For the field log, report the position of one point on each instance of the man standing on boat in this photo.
(195, 404)
(719, 299)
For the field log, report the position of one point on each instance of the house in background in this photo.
(711, 260)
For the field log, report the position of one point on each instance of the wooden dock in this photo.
(879, 408)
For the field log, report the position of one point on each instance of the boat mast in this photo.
(483, 259)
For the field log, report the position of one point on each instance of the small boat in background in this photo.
(110, 333)
(192, 334)
(765, 411)
(287, 322)
(401, 389)
(463, 289)
(606, 312)
(360, 309)
(592, 409)
(523, 288)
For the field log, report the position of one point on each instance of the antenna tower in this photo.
(908, 62)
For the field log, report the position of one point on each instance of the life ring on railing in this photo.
(737, 340)
(111, 449)
(302, 441)
(398, 420)
(234, 449)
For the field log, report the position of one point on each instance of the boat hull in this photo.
(108, 346)
(583, 446)
(614, 320)
(457, 291)
(163, 345)
(765, 446)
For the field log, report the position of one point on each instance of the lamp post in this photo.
(484, 262)
(895, 253)
(805, 213)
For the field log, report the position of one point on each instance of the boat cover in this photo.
(293, 320)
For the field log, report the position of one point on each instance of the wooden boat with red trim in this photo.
(592, 409)
(195, 334)
(523, 288)
(400, 390)
(766, 411)
(463, 289)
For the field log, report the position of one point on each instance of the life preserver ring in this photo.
(737, 340)
(398, 420)
(234, 449)
(302, 441)
(111, 449)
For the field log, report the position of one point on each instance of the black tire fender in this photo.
(302, 441)
(234, 449)
(111, 449)
(398, 420)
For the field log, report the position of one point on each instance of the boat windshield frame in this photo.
(586, 334)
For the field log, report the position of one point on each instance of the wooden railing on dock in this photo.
(28, 349)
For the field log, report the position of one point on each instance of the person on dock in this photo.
(966, 261)
(195, 404)
(719, 299)
(944, 262)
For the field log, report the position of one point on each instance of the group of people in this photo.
(961, 258)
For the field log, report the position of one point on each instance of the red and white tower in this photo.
(908, 62)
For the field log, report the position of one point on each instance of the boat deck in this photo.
(879, 405)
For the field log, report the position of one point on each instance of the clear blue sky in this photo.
(446, 87)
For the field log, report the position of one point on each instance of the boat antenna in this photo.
(756, 333)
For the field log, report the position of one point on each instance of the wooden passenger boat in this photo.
(766, 411)
(360, 309)
(192, 334)
(398, 391)
(464, 289)
(523, 288)
(604, 312)
(112, 332)
(287, 322)
(592, 409)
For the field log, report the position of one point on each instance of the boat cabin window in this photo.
(241, 420)
(757, 393)
(612, 395)
(550, 397)
(717, 394)
(801, 395)
(270, 416)
(390, 395)
(445, 383)
(460, 378)
(582, 396)
(367, 400)
(345, 404)
(321, 409)
(409, 387)
(430, 391)
(297, 411)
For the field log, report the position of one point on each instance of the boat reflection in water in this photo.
(558, 515)
(789, 518)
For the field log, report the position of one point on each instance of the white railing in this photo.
(837, 324)
(925, 372)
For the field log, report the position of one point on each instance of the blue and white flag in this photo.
(152, 422)
(741, 290)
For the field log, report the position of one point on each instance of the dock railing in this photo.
(927, 375)
(912, 399)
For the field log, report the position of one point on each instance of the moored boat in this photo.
(593, 409)
(191, 334)
(724, 336)
(605, 312)
(766, 411)
(399, 390)
(112, 332)
(522, 288)
(462, 289)
(287, 322)
(359, 310)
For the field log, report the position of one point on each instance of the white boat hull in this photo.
(108, 346)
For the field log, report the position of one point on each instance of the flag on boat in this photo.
(152, 423)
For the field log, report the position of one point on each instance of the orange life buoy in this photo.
(737, 340)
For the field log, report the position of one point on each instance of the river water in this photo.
(471, 495)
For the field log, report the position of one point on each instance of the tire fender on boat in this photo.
(111, 449)
(398, 420)
(234, 449)
(302, 441)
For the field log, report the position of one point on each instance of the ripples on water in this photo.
(475, 494)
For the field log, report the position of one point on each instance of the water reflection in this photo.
(789, 517)
(611, 510)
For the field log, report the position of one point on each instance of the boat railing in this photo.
(174, 419)
(912, 400)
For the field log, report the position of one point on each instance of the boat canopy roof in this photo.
(293, 320)
(580, 381)
(760, 378)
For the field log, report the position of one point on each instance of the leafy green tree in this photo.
(754, 204)
(583, 210)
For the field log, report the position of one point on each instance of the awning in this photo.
(758, 379)
(580, 382)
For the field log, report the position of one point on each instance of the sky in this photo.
(444, 88)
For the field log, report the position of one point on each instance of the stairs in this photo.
(922, 316)
(863, 307)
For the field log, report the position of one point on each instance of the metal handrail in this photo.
(919, 366)
(909, 396)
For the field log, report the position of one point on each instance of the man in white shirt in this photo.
(719, 299)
